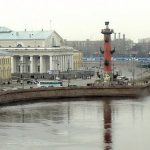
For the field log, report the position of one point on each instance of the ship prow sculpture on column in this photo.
(107, 76)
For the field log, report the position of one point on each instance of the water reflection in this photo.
(81, 125)
(25, 114)
(107, 125)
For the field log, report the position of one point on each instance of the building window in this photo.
(53, 42)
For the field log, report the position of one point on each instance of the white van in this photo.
(51, 83)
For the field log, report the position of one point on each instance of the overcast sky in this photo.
(78, 19)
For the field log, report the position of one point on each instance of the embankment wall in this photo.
(66, 92)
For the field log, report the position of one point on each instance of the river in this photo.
(101, 124)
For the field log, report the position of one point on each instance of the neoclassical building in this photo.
(40, 60)
(36, 51)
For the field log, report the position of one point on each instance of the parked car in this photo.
(32, 81)
(122, 80)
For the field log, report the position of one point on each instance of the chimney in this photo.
(119, 36)
(124, 38)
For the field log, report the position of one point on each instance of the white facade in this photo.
(36, 51)
(9, 38)
(40, 60)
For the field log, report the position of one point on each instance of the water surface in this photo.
(102, 124)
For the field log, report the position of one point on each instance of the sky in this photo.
(78, 19)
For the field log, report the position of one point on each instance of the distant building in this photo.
(144, 40)
(90, 48)
(87, 47)
(10, 38)
(77, 57)
(122, 46)
(142, 48)
(35, 51)
(5, 69)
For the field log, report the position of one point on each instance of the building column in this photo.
(50, 62)
(41, 64)
(31, 64)
(13, 64)
(53, 62)
(60, 63)
(21, 64)
(71, 62)
(65, 64)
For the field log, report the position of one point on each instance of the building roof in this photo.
(8, 34)
(4, 30)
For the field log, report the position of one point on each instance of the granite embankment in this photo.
(51, 94)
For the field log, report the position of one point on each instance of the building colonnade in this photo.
(40, 63)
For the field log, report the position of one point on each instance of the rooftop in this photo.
(8, 34)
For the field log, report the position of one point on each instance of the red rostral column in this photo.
(107, 52)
